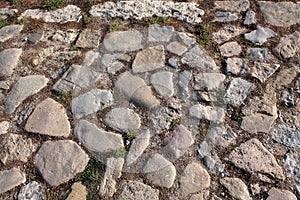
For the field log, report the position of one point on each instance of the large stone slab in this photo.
(9, 60)
(160, 171)
(149, 59)
(163, 83)
(260, 35)
(114, 41)
(208, 81)
(288, 45)
(23, 88)
(280, 13)
(253, 157)
(236, 188)
(95, 139)
(279, 194)
(230, 49)
(59, 161)
(157, 33)
(226, 33)
(133, 190)
(233, 5)
(53, 117)
(91, 102)
(214, 114)
(10, 179)
(11, 31)
(258, 123)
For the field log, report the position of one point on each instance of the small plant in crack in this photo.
(52, 4)
(175, 122)
(3, 23)
(65, 99)
(237, 116)
(101, 114)
(157, 20)
(129, 136)
(114, 27)
(119, 152)
(73, 48)
(204, 34)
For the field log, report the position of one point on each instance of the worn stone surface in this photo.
(287, 97)
(23, 88)
(288, 136)
(278, 194)
(256, 123)
(95, 139)
(160, 171)
(213, 114)
(288, 46)
(133, 190)
(176, 48)
(208, 81)
(122, 119)
(4, 126)
(194, 179)
(54, 118)
(54, 156)
(184, 78)
(220, 136)
(89, 38)
(225, 17)
(253, 157)
(234, 5)
(230, 49)
(187, 38)
(291, 163)
(226, 33)
(157, 33)
(16, 148)
(163, 83)
(32, 191)
(280, 13)
(9, 60)
(10, 179)
(78, 192)
(257, 54)
(113, 63)
(262, 71)
(8, 32)
(285, 77)
(260, 35)
(237, 66)
(91, 102)
(250, 18)
(236, 188)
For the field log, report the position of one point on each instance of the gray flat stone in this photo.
(11, 31)
(10, 179)
(225, 17)
(288, 45)
(214, 114)
(95, 139)
(288, 136)
(249, 18)
(258, 123)
(78, 192)
(135, 89)
(160, 171)
(76, 78)
(157, 33)
(230, 49)
(198, 58)
(184, 78)
(176, 48)
(260, 35)
(123, 119)
(220, 137)
(23, 88)
(280, 13)
(291, 163)
(138, 146)
(253, 157)
(237, 66)
(54, 156)
(173, 62)
(114, 62)
(114, 41)
(16, 148)
(149, 59)
(132, 190)
(187, 38)
(9, 61)
(226, 33)
(234, 5)
(208, 81)
(257, 54)
(89, 38)
(194, 179)
(279, 194)
(34, 38)
(236, 188)
(163, 83)
(32, 191)
(91, 59)
(54, 118)
(262, 71)
(91, 102)
(237, 91)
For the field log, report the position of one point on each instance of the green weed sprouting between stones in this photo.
(175, 122)
(157, 20)
(114, 27)
(129, 136)
(237, 116)
(73, 48)
(52, 4)
(3, 23)
(14, 1)
(204, 34)
(65, 99)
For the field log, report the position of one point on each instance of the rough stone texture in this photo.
(69, 13)
(220, 137)
(292, 166)
(208, 81)
(234, 5)
(257, 54)
(78, 192)
(4, 126)
(157, 33)
(198, 58)
(160, 171)
(287, 97)
(76, 78)
(253, 157)
(163, 83)
(194, 179)
(237, 66)
(210, 159)
(230, 49)
(54, 118)
(226, 33)
(250, 18)
(185, 11)
(176, 48)
(32, 191)
(95, 139)
(114, 41)
(149, 59)
(89, 38)
(136, 90)
(262, 71)
(225, 17)
(236, 188)
(237, 91)
(6, 12)
(139, 144)
(23, 88)
(54, 156)
(91, 102)
(34, 38)
(11, 31)
(122, 119)
(288, 45)
(114, 62)
(280, 13)
(213, 114)
(260, 35)
(285, 77)
(256, 123)
(288, 136)
(132, 190)
(16, 148)
(181, 140)
(184, 78)
(113, 171)
(9, 60)
(278, 194)
(10, 179)
(187, 38)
